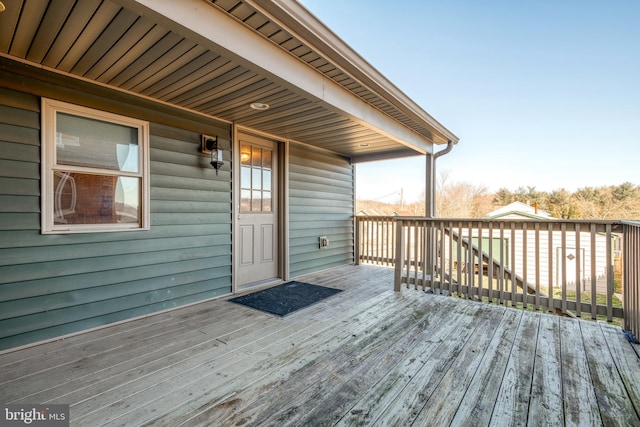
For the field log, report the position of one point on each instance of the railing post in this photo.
(399, 259)
(631, 278)
(430, 243)
(356, 249)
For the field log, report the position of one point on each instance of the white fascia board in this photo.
(318, 35)
(214, 29)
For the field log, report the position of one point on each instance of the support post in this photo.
(399, 262)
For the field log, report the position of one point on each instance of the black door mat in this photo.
(286, 298)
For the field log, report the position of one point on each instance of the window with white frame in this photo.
(95, 170)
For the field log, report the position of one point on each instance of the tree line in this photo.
(465, 200)
(606, 202)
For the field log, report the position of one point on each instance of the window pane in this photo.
(256, 154)
(245, 155)
(257, 180)
(245, 200)
(266, 201)
(95, 199)
(88, 142)
(266, 160)
(256, 202)
(266, 180)
(245, 178)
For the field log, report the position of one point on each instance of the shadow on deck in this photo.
(367, 356)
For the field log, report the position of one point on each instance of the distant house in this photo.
(161, 153)
(549, 272)
(519, 210)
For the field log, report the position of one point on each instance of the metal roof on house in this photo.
(216, 57)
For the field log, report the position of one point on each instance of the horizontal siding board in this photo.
(310, 266)
(321, 219)
(18, 135)
(201, 170)
(19, 117)
(108, 264)
(77, 251)
(53, 285)
(31, 238)
(184, 146)
(342, 176)
(311, 198)
(323, 191)
(19, 100)
(306, 232)
(19, 204)
(18, 186)
(176, 158)
(17, 169)
(20, 152)
(326, 209)
(301, 179)
(183, 194)
(173, 182)
(189, 218)
(19, 221)
(50, 302)
(183, 206)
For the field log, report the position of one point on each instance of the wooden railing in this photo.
(574, 268)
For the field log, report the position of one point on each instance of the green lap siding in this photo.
(321, 194)
(52, 285)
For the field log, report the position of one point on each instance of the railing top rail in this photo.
(542, 221)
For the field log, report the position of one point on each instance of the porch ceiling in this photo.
(330, 99)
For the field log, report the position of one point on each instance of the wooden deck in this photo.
(367, 356)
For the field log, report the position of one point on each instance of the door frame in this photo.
(282, 204)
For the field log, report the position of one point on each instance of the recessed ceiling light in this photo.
(260, 106)
(365, 145)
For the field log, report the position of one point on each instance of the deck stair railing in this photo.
(576, 268)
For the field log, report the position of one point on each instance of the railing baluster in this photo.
(563, 262)
(525, 263)
(578, 272)
(609, 273)
(537, 263)
(490, 274)
(480, 262)
(502, 264)
(550, 268)
(514, 282)
(594, 276)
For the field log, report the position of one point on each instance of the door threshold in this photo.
(258, 285)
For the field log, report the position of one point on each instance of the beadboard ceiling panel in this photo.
(106, 42)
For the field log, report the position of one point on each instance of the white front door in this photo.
(257, 212)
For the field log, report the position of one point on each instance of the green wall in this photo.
(51, 285)
(321, 197)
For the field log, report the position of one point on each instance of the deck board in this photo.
(366, 356)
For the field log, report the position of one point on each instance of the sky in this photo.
(542, 94)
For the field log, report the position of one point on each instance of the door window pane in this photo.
(256, 178)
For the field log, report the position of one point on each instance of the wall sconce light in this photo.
(210, 146)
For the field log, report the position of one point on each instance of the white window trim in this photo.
(48, 165)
